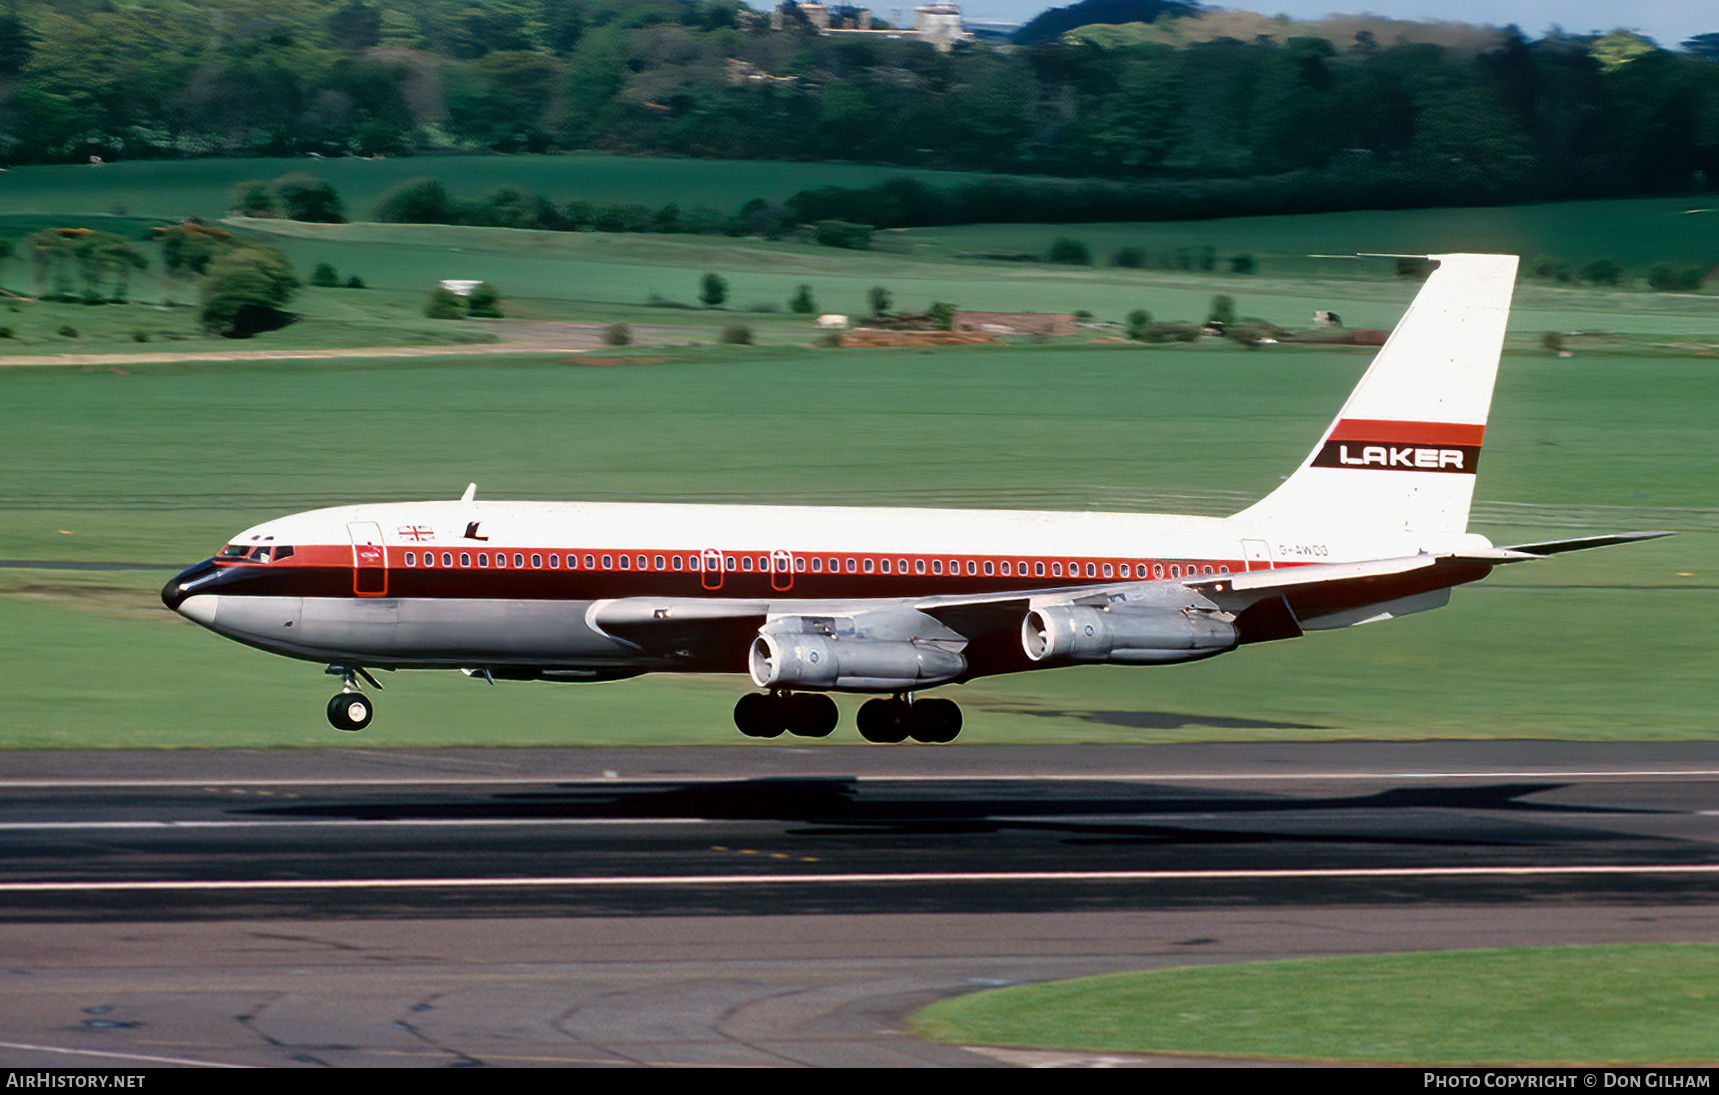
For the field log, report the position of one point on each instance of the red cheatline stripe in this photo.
(1407, 433)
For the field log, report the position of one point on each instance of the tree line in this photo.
(1221, 126)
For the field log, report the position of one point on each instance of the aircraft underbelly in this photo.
(382, 631)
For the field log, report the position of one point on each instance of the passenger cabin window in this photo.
(465, 558)
(483, 558)
(411, 559)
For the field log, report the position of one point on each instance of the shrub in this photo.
(253, 199)
(484, 301)
(831, 233)
(68, 331)
(140, 336)
(803, 303)
(7, 332)
(1243, 264)
(944, 313)
(444, 303)
(737, 334)
(1070, 253)
(325, 276)
(1131, 258)
(1549, 268)
(880, 299)
(1603, 272)
(617, 334)
(1666, 279)
(1552, 340)
(1139, 324)
(355, 282)
(712, 290)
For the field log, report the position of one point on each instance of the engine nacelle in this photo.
(1079, 633)
(826, 663)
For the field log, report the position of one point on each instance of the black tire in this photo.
(934, 721)
(350, 711)
(759, 715)
(883, 722)
(810, 714)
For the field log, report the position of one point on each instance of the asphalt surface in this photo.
(772, 905)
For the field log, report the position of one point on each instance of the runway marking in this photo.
(117, 1056)
(48, 826)
(1140, 777)
(647, 881)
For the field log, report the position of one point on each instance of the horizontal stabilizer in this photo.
(1554, 547)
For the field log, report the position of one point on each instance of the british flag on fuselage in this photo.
(814, 600)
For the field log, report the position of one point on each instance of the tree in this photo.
(1222, 312)
(803, 302)
(417, 201)
(713, 290)
(303, 197)
(943, 314)
(102, 261)
(1139, 324)
(881, 301)
(246, 292)
(325, 276)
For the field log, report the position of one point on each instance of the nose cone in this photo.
(186, 584)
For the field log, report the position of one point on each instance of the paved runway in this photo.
(772, 905)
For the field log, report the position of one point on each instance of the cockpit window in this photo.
(255, 553)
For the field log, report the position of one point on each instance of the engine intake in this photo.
(1080, 633)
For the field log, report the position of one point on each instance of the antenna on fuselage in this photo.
(471, 492)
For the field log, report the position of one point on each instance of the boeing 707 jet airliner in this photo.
(814, 600)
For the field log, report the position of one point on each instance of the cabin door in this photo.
(369, 559)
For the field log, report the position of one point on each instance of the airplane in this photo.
(892, 602)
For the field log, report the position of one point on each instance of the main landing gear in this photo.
(351, 709)
(770, 714)
(813, 715)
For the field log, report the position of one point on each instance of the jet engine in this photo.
(1131, 636)
(800, 659)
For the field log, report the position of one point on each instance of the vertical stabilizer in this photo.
(1402, 454)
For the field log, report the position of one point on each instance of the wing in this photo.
(899, 645)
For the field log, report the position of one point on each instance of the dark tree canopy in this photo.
(1050, 25)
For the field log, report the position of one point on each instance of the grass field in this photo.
(157, 465)
(1622, 1005)
(154, 465)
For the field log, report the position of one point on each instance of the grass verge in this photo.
(1612, 1005)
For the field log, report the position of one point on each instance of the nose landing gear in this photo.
(351, 709)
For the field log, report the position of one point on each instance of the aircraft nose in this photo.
(188, 582)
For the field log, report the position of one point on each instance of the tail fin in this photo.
(1401, 455)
